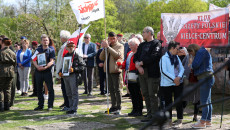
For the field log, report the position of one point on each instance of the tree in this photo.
(220, 3)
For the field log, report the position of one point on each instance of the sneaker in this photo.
(117, 112)
(111, 110)
(199, 125)
(208, 124)
(71, 112)
(85, 93)
(46, 97)
(38, 108)
(50, 109)
(178, 124)
(90, 94)
(65, 108)
(19, 92)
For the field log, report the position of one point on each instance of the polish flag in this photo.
(74, 37)
(34, 57)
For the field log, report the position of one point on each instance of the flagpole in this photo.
(106, 66)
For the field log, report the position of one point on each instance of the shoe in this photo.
(65, 108)
(33, 95)
(117, 112)
(199, 125)
(71, 112)
(18, 92)
(25, 94)
(6, 106)
(137, 113)
(178, 124)
(131, 113)
(62, 105)
(111, 110)
(145, 120)
(38, 108)
(50, 109)
(126, 95)
(85, 93)
(145, 115)
(90, 94)
(194, 119)
(46, 97)
(208, 124)
(22, 94)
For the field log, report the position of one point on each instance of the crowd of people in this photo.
(150, 72)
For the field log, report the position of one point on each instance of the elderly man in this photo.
(115, 52)
(64, 35)
(147, 60)
(44, 74)
(89, 52)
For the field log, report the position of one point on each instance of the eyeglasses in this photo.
(86, 37)
(15, 46)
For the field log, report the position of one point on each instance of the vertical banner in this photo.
(88, 10)
(206, 29)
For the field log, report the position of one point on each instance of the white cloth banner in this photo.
(88, 10)
(207, 29)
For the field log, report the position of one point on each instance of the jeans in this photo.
(205, 98)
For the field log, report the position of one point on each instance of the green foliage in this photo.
(220, 3)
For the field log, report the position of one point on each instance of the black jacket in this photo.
(151, 59)
(78, 63)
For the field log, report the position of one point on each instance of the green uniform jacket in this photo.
(7, 62)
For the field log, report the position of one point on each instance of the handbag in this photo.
(132, 76)
(192, 78)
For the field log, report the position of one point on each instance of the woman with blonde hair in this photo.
(24, 64)
(202, 66)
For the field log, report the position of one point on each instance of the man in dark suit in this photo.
(89, 51)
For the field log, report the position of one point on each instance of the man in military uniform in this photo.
(7, 64)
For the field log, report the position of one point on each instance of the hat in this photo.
(34, 43)
(119, 35)
(98, 44)
(23, 37)
(70, 44)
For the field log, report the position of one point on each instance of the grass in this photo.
(22, 113)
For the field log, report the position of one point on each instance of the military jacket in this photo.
(7, 62)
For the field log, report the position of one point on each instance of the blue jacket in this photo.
(91, 52)
(167, 71)
(26, 58)
(202, 62)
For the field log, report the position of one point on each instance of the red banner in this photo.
(206, 29)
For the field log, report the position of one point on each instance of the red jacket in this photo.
(132, 65)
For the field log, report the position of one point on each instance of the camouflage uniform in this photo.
(7, 64)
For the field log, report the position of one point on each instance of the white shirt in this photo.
(21, 56)
(86, 49)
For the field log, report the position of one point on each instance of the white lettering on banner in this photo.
(203, 35)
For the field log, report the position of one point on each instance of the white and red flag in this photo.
(213, 7)
(34, 57)
(77, 38)
(206, 29)
(88, 10)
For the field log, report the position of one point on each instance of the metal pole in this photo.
(223, 92)
(106, 66)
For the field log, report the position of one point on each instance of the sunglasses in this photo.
(86, 37)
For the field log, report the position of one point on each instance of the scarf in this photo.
(173, 59)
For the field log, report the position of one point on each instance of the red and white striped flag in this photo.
(34, 57)
(74, 37)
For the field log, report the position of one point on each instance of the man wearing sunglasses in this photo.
(89, 52)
